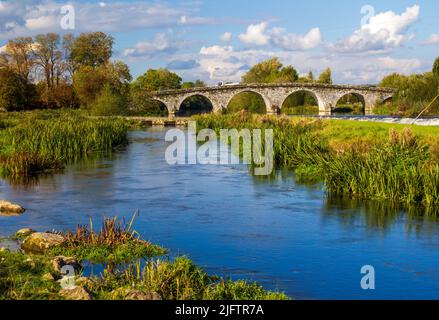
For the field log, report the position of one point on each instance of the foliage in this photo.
(326, 77)
(30, 144)
(90, 82)
(16, 93)
(92, 49)
(413, 94)
(23, 276)
(108, 103)
(155, 80)
(115, 243)
(248, 101)
(354, 159)
(436, 67)
(271, 71)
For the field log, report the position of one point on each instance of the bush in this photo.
(108, 103)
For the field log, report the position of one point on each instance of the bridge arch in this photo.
(249, 90)
(310, 92)
(162, 107)
(347, 101)
(181, 108)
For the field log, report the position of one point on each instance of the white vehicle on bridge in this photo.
(223, 84)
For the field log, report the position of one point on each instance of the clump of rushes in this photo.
(35, 144)
(130, 264)
(179, 279)
(114, 243)
(363, 164)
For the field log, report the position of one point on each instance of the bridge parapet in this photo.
(274, 95)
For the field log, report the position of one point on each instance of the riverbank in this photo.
(133, 269)
(363, 160)
(40, 141)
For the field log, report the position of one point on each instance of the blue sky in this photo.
(219, 40)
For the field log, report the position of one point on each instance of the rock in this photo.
(76, 293)
(9, 208)
(59, 262)
(84, 281)
(48, 277)
(22, 233)
(141, 295)
(39, 242)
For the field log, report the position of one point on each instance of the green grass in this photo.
(364, 160)
(122, 252)
(37, 141)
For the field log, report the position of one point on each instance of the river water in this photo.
(282, 234)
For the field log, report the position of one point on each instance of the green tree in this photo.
(196, 84)
(326, 77)
(436, 67)
(89, 81)
(91, 49)
(270, 71)
(15, 92)
(153, 80)
(156, 80)
(108, 102)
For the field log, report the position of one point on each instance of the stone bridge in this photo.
(274, 95)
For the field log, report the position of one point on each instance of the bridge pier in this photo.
(275, 94)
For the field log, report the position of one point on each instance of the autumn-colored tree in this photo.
(18, 57)
(48, 57)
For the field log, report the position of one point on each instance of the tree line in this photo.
(49, 71)
(52, 71)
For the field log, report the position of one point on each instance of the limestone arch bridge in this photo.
(274, 95)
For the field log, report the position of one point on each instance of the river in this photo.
(282, 234)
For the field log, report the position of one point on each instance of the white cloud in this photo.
(433, 39)
(291, 41)
(255, 34)
(384, 32)
(260, 35)
(224, 63)
(226, 37)
(27, 17)
(162, 43)
(216, 50)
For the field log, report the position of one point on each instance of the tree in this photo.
(91, 49)
(156, 80)
(15, 92)
(108, 103)
(436, 67)
(270, 71)
(326, 77)
(48, 57)
(190, 84)
(18, 56)
(89, 81)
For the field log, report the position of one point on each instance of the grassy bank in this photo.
(33, 142)
(131, 267)
(362, 160)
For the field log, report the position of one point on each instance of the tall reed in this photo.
(37, 144)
